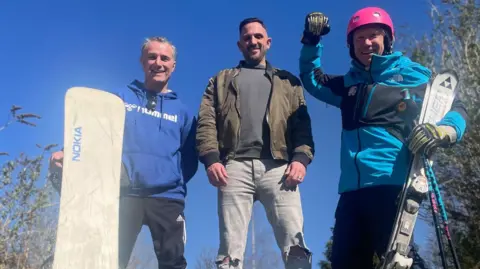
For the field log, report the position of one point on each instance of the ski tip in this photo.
(449, 72)
(447, 80)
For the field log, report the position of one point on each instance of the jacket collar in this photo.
(269, 69)
(139, 87)
(380, 65)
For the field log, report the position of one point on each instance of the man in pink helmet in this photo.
(379, 98)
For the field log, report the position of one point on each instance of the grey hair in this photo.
(159, 39)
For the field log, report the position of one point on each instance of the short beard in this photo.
(256, 60)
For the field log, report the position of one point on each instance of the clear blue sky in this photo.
(49, 46)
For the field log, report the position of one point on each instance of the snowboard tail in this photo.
(87, 233)
(438, 99)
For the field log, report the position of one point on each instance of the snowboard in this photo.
(87, 233)
(438, 99)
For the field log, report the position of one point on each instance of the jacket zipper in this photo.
(359, 148)
(161, 112)
(271, 140)
(355, 121)
(239, 129)
(356, 154)
(237, 95)
(267, 117)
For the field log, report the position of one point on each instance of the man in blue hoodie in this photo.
(379, 98)
(159, 158)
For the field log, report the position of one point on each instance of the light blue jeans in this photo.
(262, 180)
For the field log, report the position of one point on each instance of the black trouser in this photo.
(363, 224)
(165, 219)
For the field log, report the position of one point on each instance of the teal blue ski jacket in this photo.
(378, 107)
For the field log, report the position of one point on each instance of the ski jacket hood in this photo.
(159, 155)
(393, 69)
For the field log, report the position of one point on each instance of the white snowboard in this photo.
(87, 234)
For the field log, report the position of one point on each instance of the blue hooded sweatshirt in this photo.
(159, 153)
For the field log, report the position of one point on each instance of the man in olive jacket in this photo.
(254, 138)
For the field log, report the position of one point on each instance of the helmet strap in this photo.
(388, 45)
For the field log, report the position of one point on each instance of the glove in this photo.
(316, 25)
(426, 138)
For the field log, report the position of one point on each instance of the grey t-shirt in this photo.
(254, 88)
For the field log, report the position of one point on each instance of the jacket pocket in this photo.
(149, 171)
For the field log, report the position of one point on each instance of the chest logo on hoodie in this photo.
(143, 110)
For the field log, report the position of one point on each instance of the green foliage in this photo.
(28, 213)
(25, 199)
(454, 43)
(326, 264)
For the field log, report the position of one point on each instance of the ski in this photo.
(438, 99)
(87, 233)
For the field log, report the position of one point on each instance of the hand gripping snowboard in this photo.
(438, 99)
(87, 234)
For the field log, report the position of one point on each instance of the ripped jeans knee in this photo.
(227, 263)
(298, 257)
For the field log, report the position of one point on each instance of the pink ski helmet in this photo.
(372, 15)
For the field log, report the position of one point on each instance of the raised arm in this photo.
(326, 88)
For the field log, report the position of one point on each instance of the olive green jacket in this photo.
(287, 116)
